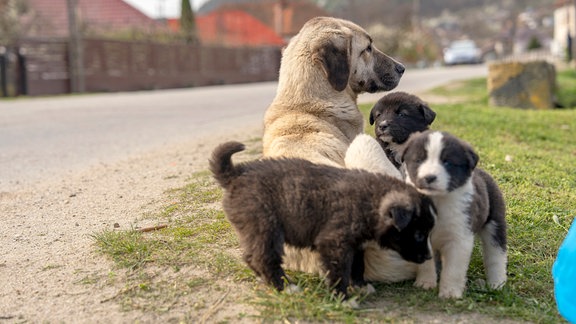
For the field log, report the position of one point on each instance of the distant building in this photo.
(232, 28)
(49, 18)
(285, 18)
(564, 25)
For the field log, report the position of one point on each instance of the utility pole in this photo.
(570, 25)
(416, 15)
(75, 52)
(568, 34)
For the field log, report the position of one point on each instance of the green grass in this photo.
(566, 80)
(471, 91)
(530, 154)
(538, 183)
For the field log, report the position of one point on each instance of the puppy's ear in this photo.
(401, 217)
(429, 114)
(407, 146)
(395, 210)
(372, 113)
(334, 60)
(471, 156)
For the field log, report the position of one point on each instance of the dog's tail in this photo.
(221, 162)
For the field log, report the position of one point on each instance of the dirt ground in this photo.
(46, 250)
(49, 268)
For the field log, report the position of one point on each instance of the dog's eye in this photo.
(367, 50)
(419, 236)
(447, 164)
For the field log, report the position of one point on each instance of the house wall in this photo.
(564, 20)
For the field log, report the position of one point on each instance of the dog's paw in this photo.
(351, 303)
(426, 277)
(292, 289)
(497, 285)
(450, 293)
(364, 290)
(425, 284)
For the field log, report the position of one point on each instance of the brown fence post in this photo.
(76, 57)
(3, 72)
(22, 72)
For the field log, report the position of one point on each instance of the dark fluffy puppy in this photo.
(468, 201)
(395, 117)
(331, 210)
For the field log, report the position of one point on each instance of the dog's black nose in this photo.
(400, 69)
(382, 126)
(430, 178)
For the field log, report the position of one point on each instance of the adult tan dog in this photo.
(324, 67)
(314, 115)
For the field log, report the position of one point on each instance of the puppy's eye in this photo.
(419, 236)
(447, 164)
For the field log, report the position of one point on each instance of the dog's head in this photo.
(437, 163)
(406, 219)
(346, 55)
(398, 115)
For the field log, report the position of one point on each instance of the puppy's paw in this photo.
(425, 284)
(497, 284)
(366, 289)
(292, 289)
(351, 303)
(426, 276)
(450, 293)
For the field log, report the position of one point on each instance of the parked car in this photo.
(462, 52)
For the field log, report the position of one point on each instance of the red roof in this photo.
(284, 17)
(50, 17)
(232, 27)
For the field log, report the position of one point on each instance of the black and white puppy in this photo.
(396, 116)
(468, 202)
(331, 210)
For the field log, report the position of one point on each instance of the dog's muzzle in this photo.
(382, 128)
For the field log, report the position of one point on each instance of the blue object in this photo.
(564, 274)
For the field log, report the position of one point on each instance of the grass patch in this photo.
(470, 91)
(566, 80)
(531, 155)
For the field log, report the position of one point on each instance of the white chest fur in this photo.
(453, 223)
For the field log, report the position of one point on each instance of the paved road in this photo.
(47, 136)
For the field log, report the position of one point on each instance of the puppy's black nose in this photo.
(400, 69)
(382, 126)
(430, 178)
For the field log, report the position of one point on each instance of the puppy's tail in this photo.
(221, 162)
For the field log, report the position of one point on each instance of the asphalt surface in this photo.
(41, 137)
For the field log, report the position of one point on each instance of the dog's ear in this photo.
(372, 113)
(335, 62)
(395, 211)
(471, 156)
(401, 217)
(408, 145)
(429, 114)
